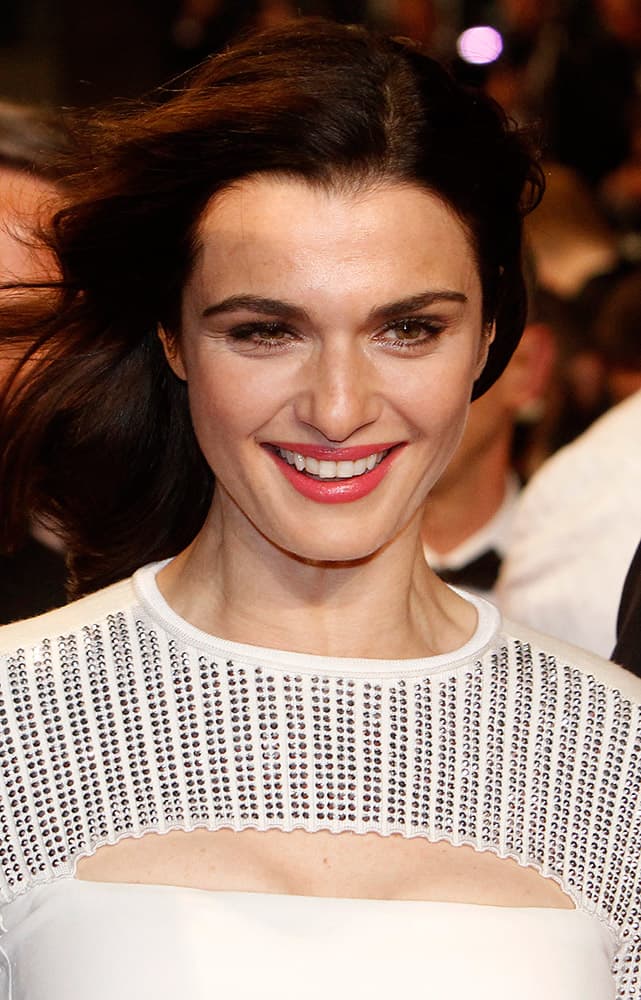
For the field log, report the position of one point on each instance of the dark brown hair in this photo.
(95, 432)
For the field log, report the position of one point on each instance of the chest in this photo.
(230, 758)
(346, 865)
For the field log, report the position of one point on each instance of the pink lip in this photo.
(322, 452)
(335, 490)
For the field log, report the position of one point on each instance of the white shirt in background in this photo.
(576, 527)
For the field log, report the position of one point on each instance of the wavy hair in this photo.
(95, 432)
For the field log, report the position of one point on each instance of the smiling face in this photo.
(329, 341)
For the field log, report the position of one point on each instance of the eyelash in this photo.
(248, 331)
(257, 334)
(432, 328)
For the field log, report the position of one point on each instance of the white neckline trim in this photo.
(149, 595)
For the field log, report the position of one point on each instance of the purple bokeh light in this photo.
(480, 45)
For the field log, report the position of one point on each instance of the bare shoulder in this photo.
(604, 671)
(70, 618)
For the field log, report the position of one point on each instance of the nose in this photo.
(340, 393)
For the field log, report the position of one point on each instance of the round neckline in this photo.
(150, 597)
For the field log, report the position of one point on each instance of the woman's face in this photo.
(329, 341)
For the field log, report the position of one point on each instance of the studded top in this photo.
(119, 718)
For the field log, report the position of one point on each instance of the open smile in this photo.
(332, 469)
(333, 475)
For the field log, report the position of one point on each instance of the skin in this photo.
(25, 201)
(345, 579)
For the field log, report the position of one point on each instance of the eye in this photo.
(412, 333)
(262, 336)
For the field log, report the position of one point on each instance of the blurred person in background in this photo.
(417, 19)
(620, 190)
(574, 70)
(522, 78)
(616, 337)
(570, 238)
(32, 578)
(203, 27)
(468, 514)
(596, 87)
(578, 522)
(579, 259)
(574, 532)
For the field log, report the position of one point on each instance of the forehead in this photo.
(270, 230)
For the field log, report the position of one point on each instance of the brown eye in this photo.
(413, 332)
(268, 336)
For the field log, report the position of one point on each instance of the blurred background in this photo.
(571, 66)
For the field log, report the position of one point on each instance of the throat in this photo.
(338, 613)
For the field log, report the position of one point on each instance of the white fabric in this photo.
(120, 718)
(575, 530)
(103, 941)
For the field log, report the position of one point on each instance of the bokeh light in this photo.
(480, 45)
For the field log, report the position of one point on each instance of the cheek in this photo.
(227, 409)
(217, 421)
(438, 416)
(436, 401)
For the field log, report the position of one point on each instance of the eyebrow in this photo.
(286, 310)
(415, 302)
(257, 304)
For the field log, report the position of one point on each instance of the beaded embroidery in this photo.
(121, 728)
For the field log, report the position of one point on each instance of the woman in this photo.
(290, 278)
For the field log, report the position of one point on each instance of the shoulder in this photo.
(575, 529)
(610, 431)
(583, 464)
(605, 672)
(68, 619)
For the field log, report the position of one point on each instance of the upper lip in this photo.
(328, 454)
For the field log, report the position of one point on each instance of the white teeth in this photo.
(331, 470)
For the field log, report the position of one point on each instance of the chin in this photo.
(324, 549)
(349, 557)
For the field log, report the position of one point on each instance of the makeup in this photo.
(334, 475)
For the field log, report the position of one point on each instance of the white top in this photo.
(74, 940)
(576, 528)
(119, 718)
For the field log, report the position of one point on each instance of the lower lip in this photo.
(335, 490)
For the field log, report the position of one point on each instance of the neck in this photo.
(460, 506)
(238, 586)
